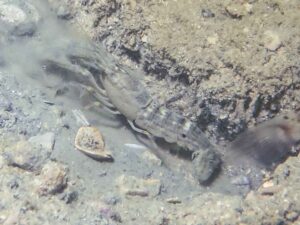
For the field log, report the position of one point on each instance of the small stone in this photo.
(110, 214)
(207, 13)
(292, 216)
(206, 164)
(236, 10)
(19, 21)
(111, 199)
(268, 184)
(14, 183)
(52, 180)
(46, 140)
(132, 186)
(26, 155)
(272, 41)
(64, 13)
(12, 14)
(151, 158)
(212, 40)
(269, 190)
(174, 200)
(70, 197)
(115, 216)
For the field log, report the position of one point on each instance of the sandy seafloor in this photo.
(212, 57)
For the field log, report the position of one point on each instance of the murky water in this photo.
(30, 40)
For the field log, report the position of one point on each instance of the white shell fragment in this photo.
(90, 141)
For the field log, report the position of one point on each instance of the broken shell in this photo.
(90, 141)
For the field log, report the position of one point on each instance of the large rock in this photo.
(19, 18)
(52, 179)
(32, 154)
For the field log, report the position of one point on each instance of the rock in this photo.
(19, 19)
(292, 216)
(207, 13)
(52, 179)
(26, 155)
(111, 199)
(64, 13)
(90, 141)
(70, 197)
(12, 14)
(236, 10)
(151, 158)
(14, 183)
(46, 140)
(132, 186)
(206, 164)
(108, 213)
(272, 40)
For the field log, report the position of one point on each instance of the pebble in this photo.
(52, 179)
(237, 10)
(70, 197)
(26, 155)
(206, 163)
(20, 21)
(111, 199)
(268, 184)
(45, 140)
(207, 13)
(292, 216)
(272, 40)
(212, 40)
(151, 158)
(133, 186)
(64, 13)
(12, 14)
(173, 200)
(110, 214)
